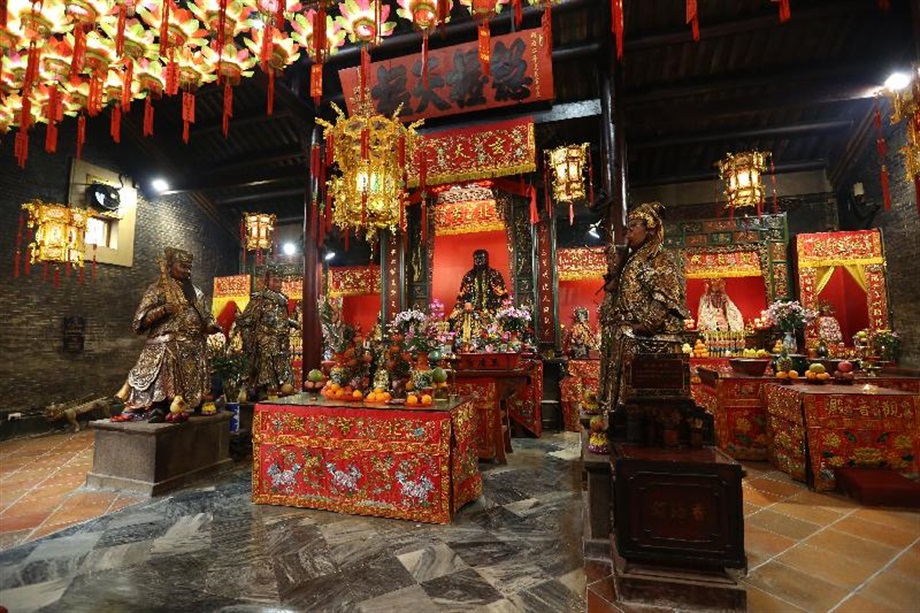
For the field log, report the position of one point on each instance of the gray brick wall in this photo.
(34, 370)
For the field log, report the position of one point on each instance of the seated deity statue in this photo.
(717, 311)
(482, 292)
(828, 327)
(580, 339)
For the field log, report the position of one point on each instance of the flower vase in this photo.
(514, 341)
(789, 343)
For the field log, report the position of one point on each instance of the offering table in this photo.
(736, 405)
(367, 459)
(815, 429)
(498, 396)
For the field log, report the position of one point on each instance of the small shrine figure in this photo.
(828, 327)
(580, 339)
(717, 312)
(265, 330)
(174, 362)
(482, 292)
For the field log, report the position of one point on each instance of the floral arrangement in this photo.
(884, 343)
(789, 316)
(513, 319)
(337, 335)
(420, 332)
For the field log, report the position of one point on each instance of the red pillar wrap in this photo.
(616, 12)
(693, 19)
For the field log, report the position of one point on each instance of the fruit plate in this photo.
(396, 401)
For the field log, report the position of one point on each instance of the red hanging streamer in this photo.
(21, 147)
(44, 272)
(228, 107)
(546, 23)
(443, 14)
(365, 69)
(81, 134)
(148, 115)
(188, 114)
(422, 167)
(365, 142)
(316, 83)
(518, 12)
(54, 113)
(79, 50)
(271, 93)
(172, 76)
(882, 148)
(67, 267)
(425, 59)
(164, 27)
(784, 11)
(547, 202)
(116, 124)
(485, 52)
(51, 135)
(32, 66)
(616, 12)
(127, 77)
(330, 149)
(265, 51)
(18, 245)
(693, 19)
(534, 213)
(886, 188)
(120, 29)
(94, 102)
(3, 13)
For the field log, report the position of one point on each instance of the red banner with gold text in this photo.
(521, 72)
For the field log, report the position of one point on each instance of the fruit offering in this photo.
(378, 396)
(700, 350)
(755, 353)
(315, 380)
(844, 373)
(419, 400)
(817, 373)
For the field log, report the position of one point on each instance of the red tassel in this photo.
(425, 59)
(120, 31)
(271, 93)
(116, 124)
(365, 69)
(21, 147)
(18, 245)
(518, 12)
(886, 188)
(485, 51)
(172, 77)
(365, 143)
(81, 135)
(94, 103)
(164, 27)
(148, 115)
(127, 78)
(228, 107)
(316, 83)
(547, 24)
(79, 50)
(534, 213)
(616, 12)
(784, 11)
(51, 133)
(3, 13)
(265, 52)
(32, 66)
(188, 114)
(279, 15)
(319, 34)
(330, 149)
(693, 19)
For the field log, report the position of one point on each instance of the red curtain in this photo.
(576, 293)
(849, 302)
(361, 310)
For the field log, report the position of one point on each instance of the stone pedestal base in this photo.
(155, 458)
(597, 504)
(684, 588)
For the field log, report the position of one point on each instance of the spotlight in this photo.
(593, 231)
(897, 81)
(289, 248)
(159, 185)
(329, 255)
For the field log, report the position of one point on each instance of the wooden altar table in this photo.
(494, 393)
(815, 429)
(581, 376)
(737, 408)
(714, 364)
(365, 459)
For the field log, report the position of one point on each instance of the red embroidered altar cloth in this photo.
(419, 464)
(582, 376)
(737, 409)
(814, 429)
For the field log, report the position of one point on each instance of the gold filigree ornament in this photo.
(58, 232)
(370, 150)
(743, 176)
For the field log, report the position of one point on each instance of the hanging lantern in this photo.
(85, 15)
(905, 104)
(547, 20)
(365, 22)
(194, 71)
(368, 195)
(319, 42)
(58, 232)
(743, 177)
(482, 11)
(151, 84)
(259, 231)
(232, 65)
(425, 15)
(283, 52)
(567, 165)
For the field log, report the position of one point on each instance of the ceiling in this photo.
(802, 89)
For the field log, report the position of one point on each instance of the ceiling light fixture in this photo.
(159, 185)
(289, 248)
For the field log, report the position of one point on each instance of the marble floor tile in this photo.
(512, 577)
(35, 596)
(461, 591)
(548, 596)
(405, 600)
(432, 562)
(836, 543)
(894, 535)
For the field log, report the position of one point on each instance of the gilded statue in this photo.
(482, 292)
(717, 311)
(579, 339)
(176, 319)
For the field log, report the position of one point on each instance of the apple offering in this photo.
(844, 373)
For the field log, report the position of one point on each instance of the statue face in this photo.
(274, 283)
(180, 270)
(636, 234)
(480, 259)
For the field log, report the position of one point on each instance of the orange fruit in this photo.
(386, 396)
(357, 394)
(411, 399)
(426, 399)
(410, 386)
(782, 374)
(335, 387)
(339, 393)
(793, 374)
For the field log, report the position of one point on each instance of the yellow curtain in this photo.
(858, 272)
(823, 276)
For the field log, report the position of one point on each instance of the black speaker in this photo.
(102, 196)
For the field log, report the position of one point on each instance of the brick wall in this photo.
(901, 229)
(34, 370)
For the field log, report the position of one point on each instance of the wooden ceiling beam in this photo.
(254, 159)
(838, 8)
(238, 181)
(650, 141)
(262, 196)
(799, 166)
(251, 117)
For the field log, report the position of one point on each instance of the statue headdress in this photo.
(648, 212)
(173, 254)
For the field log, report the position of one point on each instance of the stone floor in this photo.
(517, 548)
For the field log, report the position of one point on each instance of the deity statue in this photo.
(717, 312)
(828, 327)
(174, 360)
(580, 339)
(482, 292)
(265, 330)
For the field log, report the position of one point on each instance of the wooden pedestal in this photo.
(678, 524)
(597, 505)
(155, 458)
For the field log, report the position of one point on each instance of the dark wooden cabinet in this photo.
(678, 507)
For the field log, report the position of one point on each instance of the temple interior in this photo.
(486, 305)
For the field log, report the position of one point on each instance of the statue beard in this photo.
(188, 290)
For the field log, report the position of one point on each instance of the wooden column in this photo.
(613, 145)
(312, 270)
(392, 274)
